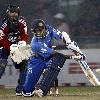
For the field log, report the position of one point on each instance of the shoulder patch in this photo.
(4, 24)
(22, 20)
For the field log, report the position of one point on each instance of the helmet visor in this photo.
(39, 32)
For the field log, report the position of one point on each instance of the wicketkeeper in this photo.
(13, 36)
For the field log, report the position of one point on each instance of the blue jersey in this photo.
(41, 46)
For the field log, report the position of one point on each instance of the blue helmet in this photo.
(39, 28)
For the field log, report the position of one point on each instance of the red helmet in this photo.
(13, 13)
(13, 8)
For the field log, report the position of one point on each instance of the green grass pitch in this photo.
(65, 93)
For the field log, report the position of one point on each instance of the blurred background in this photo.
(79, 18)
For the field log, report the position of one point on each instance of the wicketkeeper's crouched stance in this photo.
(47, 58)
(13, 31)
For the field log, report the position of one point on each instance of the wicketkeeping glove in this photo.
(20, 52)
(15, 54)
(25, 49)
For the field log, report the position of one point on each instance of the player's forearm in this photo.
(74, 57)
(5, 44)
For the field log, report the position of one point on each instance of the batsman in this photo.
(45, 57)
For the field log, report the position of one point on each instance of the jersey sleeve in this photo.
(3, 39)
(24, 34)
(60, 35)
(55, 33)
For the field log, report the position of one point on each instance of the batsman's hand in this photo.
(74, 57)
(82, 56)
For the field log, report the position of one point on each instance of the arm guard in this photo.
(74, 47)
(70, 45)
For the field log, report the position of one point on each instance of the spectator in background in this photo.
(60, 22)
(61, 25)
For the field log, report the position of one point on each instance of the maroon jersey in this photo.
(9, 36)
